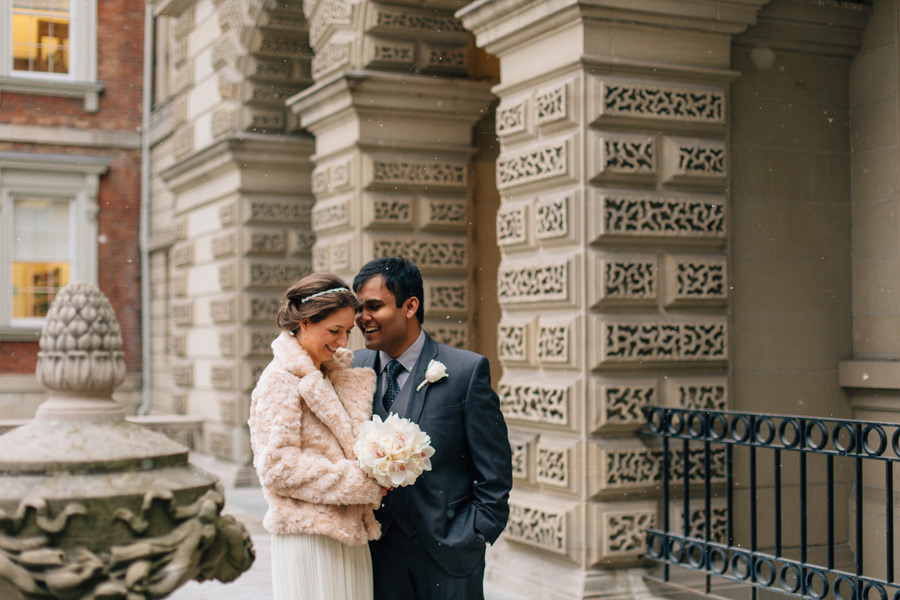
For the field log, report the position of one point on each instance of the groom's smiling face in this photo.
(386, 326)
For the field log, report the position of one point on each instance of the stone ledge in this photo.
(869, 374)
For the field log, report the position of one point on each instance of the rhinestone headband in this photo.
(322, 293)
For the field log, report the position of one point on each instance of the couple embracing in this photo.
(422, 542)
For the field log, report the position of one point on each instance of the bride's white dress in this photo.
(311, 567)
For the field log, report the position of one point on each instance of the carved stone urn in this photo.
(94, 507)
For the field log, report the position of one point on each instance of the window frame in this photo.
(74, 178)
(81, 80)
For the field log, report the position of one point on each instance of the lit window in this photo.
(41, 256)
(40, 36)
(48, 233)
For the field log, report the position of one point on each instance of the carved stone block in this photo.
(622, 529)
(179, 284)
(542, 524)
(183, 254)
(555, 105)
(263, 242)
(545, 402)
(442, 213)
(616, 404)
(331, 214)
(558, 342)
(183, 374)
(697, 518)
(261, 308)
(442, 57)
(224, 244)
(695, 280)
(625, 280)
(628, 217)
(279, 212)
(259, 342)
(633, 467)
(452, 334)
(513, 117)
(523, 462)
(555, 218)
(692, 162)
(228, 343)
(446, 298)
(513, 225)
(223, 377)
(331, 57)
(385, 173)
(430, 254)
(388, 53)
(300, 242)
(550, 283)
(623, 158)
(647, 343)
(645, 104)
(228, 214)
(227, 276)
(178, 344)
(697, 392)
(515, 340)
(277, 275)
(552, 162)
(222, 310)
(556, 463)
(332, 177)
(388, 211)
(183, 313)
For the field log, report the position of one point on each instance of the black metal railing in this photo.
(699, 466)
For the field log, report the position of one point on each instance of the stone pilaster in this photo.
(613, 281)
(231, 210)
(393, 116)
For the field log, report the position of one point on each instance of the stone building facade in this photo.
(621, 203)
(71, 82)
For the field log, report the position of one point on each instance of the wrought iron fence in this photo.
(705, 435)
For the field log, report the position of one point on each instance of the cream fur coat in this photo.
(302, 436)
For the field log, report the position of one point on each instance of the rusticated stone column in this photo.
(392, 114)
(92, 506)
(613, 281)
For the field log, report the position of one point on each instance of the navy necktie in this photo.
(393, 388)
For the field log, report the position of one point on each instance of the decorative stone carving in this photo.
(223, 377)
(540, 527)
(331, 57)
(274, 274)
(92, 506)
(512, 225)
(388, 172)
(555, 342)
(534, 165)
(179, 284)
(228, 343)
(227, 276)
(394, 20)
(261, 309)
(388, 211)
(446, 298)
(540, 283)
(624, 157)
(552, 218)
(639, 468)
(228, 214)
(697, 393)
(183, 374)
(441, 213)
(552, 104)
(289, 212)
(617, 405)
(522, 445)
(693, 161)
(452, 335)
(258, 242)
(183, 142)
(536, 403)
(331, 214)
(389, 53)
(224, 245)
(627, 280)
(183, 254)
(625, 532)
(222, 310)
(183, 313)
(331, 177)
(619, 100)
(178, 344)
(435, 57)
(430, 253)
(630, 217)
(511, 118)
(553, 464)
(695, 280)
(300, 242)
(665, 341)
(513, 341)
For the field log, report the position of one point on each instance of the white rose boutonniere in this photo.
(435, 372)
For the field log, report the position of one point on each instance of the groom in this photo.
(433, 532)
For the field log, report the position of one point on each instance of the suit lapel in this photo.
(412, 400)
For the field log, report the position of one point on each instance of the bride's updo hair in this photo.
(312, 299)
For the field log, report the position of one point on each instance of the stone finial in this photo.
(80, 362)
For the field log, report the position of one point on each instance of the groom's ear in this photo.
(410, 307)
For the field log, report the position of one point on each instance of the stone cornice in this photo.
(364, 91)
(70, 136)
(240, 151)
(501, 24)
(818, 26)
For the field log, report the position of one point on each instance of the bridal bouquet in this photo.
(394, 452)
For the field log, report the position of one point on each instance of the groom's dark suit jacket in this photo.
(462, 503)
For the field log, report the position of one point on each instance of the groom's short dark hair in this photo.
(400, 276)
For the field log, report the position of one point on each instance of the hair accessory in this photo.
(322, 293)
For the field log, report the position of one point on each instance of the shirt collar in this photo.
(410, 356)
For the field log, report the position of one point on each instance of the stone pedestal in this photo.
(92, 506)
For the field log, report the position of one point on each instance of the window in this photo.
(50, 47)
(48, 234)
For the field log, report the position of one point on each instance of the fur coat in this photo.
(302, 436)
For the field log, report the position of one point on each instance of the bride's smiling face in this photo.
(322, 339)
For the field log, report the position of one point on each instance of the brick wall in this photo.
(120, 61)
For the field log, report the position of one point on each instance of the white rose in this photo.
(435, 372)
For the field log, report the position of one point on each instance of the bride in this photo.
(305, 415)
